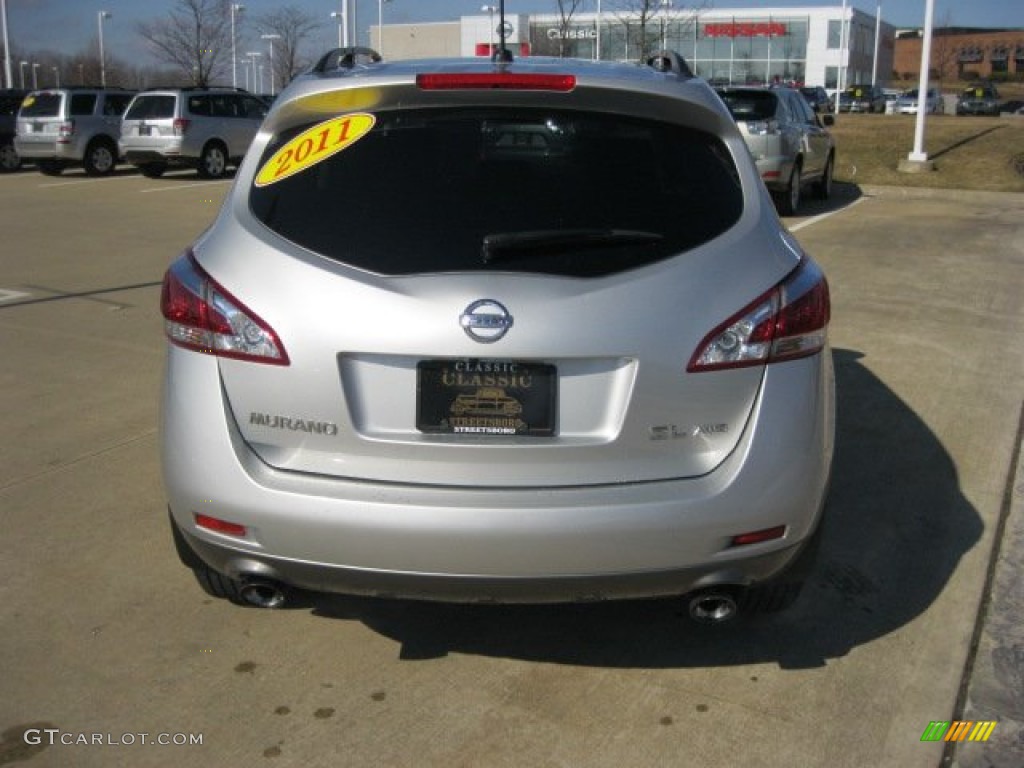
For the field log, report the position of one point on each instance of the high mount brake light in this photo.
(200, 315)
(788, 322)
(513, 81)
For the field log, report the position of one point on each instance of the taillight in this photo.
(762, 127)
(65, 131)
(516, 81)
(787, 322)
(180, 125)
(200, 315)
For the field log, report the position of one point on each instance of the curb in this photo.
(935, 193)
(993, 685)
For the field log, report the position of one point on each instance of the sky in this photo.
(70, 26)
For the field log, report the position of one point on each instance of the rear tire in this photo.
(823, 187)
(213, 162)
(213, 582)
(789, 201)
(100, 158)
(153, 170)
(50, 167)
(9, 160)
(218, 585)
(780, 593)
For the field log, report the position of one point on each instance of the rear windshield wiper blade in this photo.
(546, 242)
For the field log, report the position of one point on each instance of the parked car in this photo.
(817, 97)
(978, 99)
(907, 103)
(10, 101)
(208, 129)
(61, 127)
(864, 98)
(422, 351)
(790, 143)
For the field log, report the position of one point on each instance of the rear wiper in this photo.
(546, 242)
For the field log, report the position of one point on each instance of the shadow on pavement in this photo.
(897, 526)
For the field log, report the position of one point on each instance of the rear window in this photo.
(151, 108)
(750, 105)
(41, 105)
(555, 192)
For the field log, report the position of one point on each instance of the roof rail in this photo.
(669, 61)
(346, 58)
(83, 88)
(195, 88)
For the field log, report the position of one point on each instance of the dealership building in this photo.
(769, 45)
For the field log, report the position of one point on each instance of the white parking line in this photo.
(823, 216)
(6, 295)
(72, 182)
(173, 187)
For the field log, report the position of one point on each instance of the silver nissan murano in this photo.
(498, 331)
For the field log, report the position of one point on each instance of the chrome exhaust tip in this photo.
(713, 607)
(262, 594)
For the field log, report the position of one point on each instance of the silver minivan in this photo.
(60, 127)
(208, 129)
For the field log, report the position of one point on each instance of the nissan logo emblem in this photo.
(485, 320)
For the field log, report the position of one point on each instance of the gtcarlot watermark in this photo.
(55, 736)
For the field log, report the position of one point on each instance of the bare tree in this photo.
(566, 10)
(294, 26)
(645, 22)
(945, 51)
(194, 37)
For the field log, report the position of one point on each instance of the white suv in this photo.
(207, 129)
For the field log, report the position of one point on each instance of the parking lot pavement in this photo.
(107, 638)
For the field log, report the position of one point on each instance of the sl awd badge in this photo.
(485, 321)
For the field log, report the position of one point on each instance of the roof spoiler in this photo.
(346, 58)
(669, 61)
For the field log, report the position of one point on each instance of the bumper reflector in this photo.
(220, 526)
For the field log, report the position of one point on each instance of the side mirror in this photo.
(828, 120)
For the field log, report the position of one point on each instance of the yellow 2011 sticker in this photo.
(314, 145)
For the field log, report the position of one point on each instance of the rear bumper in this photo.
(471, 588)
(46, 150)
(511, 544)
(149, 157)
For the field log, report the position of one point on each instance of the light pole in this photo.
(7, 46)
(918, 155)
(380, 26)
(235, 8)
(665, 5)
(341, 25)
(257, 84)
(342, 17)
(245, 71)
(103, 62)
(842, 58)
(56, 77)
(270, 39)
(490, 10)
(22, 66)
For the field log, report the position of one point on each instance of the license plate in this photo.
(486, 397)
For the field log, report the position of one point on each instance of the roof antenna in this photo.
(503, 54)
